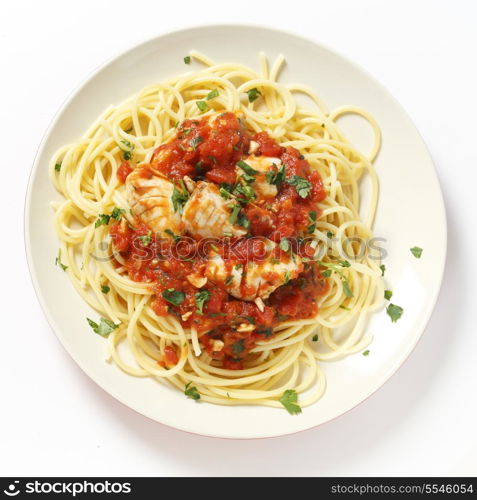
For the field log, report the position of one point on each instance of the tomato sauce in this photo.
(228, 328)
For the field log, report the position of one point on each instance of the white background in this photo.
(55, 421)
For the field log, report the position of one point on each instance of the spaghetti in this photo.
(122, 165)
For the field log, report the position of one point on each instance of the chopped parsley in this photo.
(417, 252)
(253, 94)
(102, 219)
(336, 268)
(224, 193)
(312, 218)
(245, 191)
(117, 213)
(243, 221)
(187, 59)
(104, 328)
(174, 297)
(174, 236)
(267, 331)
(202, 105)
(179, 197)
(366, 353)
(246, 168)
(127, 153)
(383, 269)
(58, 166)
(212, 94)
(276, 176)
(196, 141)
(388, 294)
(302, 185)
(200, 299)
(394, 312)
(58, 261)
(234, 215)
(289, 400)
(238, 346)
(346, 289)
(191, 392)
(315, 338)
(105, 289)
(146, 238)
(285, 244)
(329, 235)
(228, 280)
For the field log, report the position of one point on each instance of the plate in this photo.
(410, 213)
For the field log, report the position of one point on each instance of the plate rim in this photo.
(418, 332)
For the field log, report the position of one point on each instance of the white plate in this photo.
(411, 212)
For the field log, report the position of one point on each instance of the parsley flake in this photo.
(246, 168)
(174, 297)
(417, 252)
(202, 105)
(302, 185)
(289, 400)
(179, 197)
(191, 392)
(104, 328)
(58, 261)
(212, 94)
(253, 94)
(394, 312)
(200, 299)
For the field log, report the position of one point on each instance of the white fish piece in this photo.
(262, 164)
(263, 277)
(216, 271)
(258, 279)
(150, 198)
(207, 215)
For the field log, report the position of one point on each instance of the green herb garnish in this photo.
(238, 346)
(383, 269)
(388, 294)
(102, 219)
(196, 141)
(253, 94)
(202, 105)
(212, 94)
(179, 197)
(146, 238)
(174, 297)
(58, 261)
(191, 392)
(104, 328)
(200, 299)
(285, 244)
(105, 289)
(187, 59)
(58, 166)
(394, 312)
(302, 185)
(289, 400)
(276, 176)
(417, 252)
(246, 168)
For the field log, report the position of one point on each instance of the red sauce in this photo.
(202, 151)
(123, 171)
